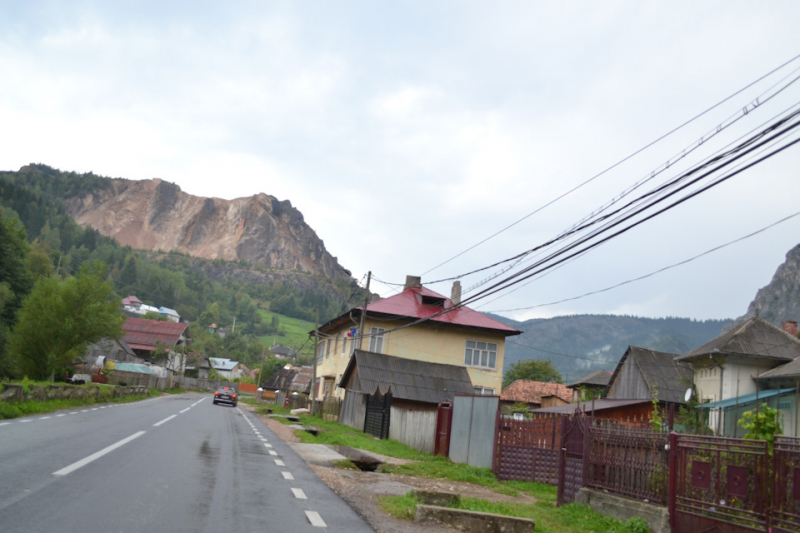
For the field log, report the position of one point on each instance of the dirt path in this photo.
(361, 489)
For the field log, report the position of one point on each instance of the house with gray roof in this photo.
(644, 374)
(398, 398)
(590, 386)
(748, 359)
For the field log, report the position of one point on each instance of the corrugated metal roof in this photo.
(144, 332)
(220, 363)
(421, 302)
(661, 371)
(599, 405)
(133, 367)
(746, 398)
(408, 379)
(754, 338)
(280, 380)
(529, 391)
(601, 378)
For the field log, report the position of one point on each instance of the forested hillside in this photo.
(580, 344)
(201, 290)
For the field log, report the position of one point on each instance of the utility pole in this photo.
(364, 312)
(234, 325)
(316, 350)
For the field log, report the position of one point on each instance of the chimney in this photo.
(413, 281)
(790, 327)
(455, 293)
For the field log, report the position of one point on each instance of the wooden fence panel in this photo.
(414, 428)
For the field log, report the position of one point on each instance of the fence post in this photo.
(495, 458)
(562, 460)
(673, 478)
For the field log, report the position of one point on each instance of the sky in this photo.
(408, 132)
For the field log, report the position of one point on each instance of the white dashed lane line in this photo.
(59, 416)
(287, 476)
(185, 409)
(299, 494)
(24, 421)
(315, 519)
(4, 423)
(43, 418)
(279, 462)
(163, 421)
(86, 460)
(268, 445)
(273, 452)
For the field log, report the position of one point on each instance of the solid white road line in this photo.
(165, 420)
(85, 461)
(315, 519)
(299, 494)
(185, 409)
(273, 452)
(279, 462)
(287, 475)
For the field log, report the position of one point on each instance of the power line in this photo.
(615, 164)
(674, 265)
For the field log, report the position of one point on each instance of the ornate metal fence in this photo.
(629, 460)
(718, 484)
(785, 515)
(573, 464)
(527, 450)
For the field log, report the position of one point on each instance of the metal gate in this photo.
(785, 515)
(379, 411)
(718, 484)
(444, 418)
(573, 466)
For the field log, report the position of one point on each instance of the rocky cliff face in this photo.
(154, 214)
(780, 299)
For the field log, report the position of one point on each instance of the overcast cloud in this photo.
(407, 132)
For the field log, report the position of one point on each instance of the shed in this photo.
(383, 392)
(591, 385)
(644, 374)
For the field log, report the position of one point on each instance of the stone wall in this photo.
(657, 516)
(13, 392)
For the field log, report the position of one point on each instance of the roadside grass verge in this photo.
(549, 519)
(10, 410)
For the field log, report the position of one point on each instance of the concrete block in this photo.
(474, 521)
(621, 508)
(441, 499)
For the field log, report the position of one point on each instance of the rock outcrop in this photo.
(158, 215)
(780, 299)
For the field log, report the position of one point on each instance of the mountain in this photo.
(580, 344)
(158, 215)
(779, 300)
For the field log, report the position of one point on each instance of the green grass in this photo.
(548, 518)
(296, 332)
(17, 409)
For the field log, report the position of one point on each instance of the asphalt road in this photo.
(169, 464)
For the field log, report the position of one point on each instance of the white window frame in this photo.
(344, 344)
(320, 352)
(484, 391)
(480, 354)
(376, 339)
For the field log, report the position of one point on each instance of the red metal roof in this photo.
(144, 333)
(421, 302)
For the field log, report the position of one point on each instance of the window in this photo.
(482, 354)
(344, 344)
(484, 391)
(376, 340)
(320, 352)
(328, 351)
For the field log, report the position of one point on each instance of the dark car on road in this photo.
(226, 395)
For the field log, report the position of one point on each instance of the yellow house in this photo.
(418, 324)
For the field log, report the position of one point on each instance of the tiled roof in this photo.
(525, 390)
(408, 379)
(141, 333)
(599, 378)
(420, 302)
(131, 300)
(754, 338)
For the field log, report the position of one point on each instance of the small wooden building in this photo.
(644, 374)
(535, 393)
(398, 398)
(590, 386)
